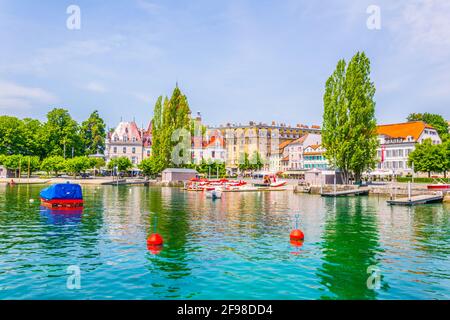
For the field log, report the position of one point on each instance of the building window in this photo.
(124, 150)
(133, 150)
(148, 153)
(115, 150)
(213, 154)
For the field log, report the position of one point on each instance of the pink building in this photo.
(127, 140)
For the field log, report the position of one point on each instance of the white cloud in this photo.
(66, 53)
(149, 7)
(423, 25)
(96, 87)
(14, 96)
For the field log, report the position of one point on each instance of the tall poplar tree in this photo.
(168, 116)
(349, 125)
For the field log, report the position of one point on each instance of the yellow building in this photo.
(255, 137)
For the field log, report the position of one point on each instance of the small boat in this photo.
(439, 186)
(62, 196)
(270, 181)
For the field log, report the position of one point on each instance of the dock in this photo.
(415, 200)
(346, 193)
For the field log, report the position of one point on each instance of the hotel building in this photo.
(397, 141)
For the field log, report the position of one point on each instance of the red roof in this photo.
(212, 142)
(403, 130)
(127, 129)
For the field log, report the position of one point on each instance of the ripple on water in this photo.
(234, 248)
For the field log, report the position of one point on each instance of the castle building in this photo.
(128, 140)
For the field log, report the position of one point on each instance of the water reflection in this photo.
(350, 245)
(61, 217)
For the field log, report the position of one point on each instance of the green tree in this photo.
(60, 133)
(349, 125)
(428, 157)
(24, 163)
(168, 116)
(30, 164)
(77, 165)
(32, 137)
(93, 133)
(148, 167)
(256, 162)
(244, 162)
(11, 135)
(176, 116)
(445, 150)
(122, 164)
(157, 160)
(53, 164)
(97, 163)
(435, 120)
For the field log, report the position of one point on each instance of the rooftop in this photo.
(403, 130)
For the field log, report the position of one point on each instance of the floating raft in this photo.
(62, 196)
(415, 200)
(345, 193)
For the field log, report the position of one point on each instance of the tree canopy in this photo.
(93, 134)
(349, 124)
(168, 116)
(30, 137)
(429, 157)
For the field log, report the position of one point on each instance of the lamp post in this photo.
(117, 175)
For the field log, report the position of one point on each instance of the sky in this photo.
(237, 61)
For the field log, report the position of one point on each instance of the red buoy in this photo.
(155, 240)
(154, 249)
(297, 243)
(297, 235)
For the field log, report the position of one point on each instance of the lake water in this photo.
(236, 247)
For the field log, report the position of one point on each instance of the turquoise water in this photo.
(236, 247)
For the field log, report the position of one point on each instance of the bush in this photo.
(419, 180)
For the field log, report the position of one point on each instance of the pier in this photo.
(345, 193)
(414, 200)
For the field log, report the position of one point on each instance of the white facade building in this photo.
(397, 141)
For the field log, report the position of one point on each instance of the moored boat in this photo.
(270, 180)
(62, 196)
(439, 187)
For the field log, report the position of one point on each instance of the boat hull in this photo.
(439, 187)
(63, 204)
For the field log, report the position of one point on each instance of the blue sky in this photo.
(235, 60)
